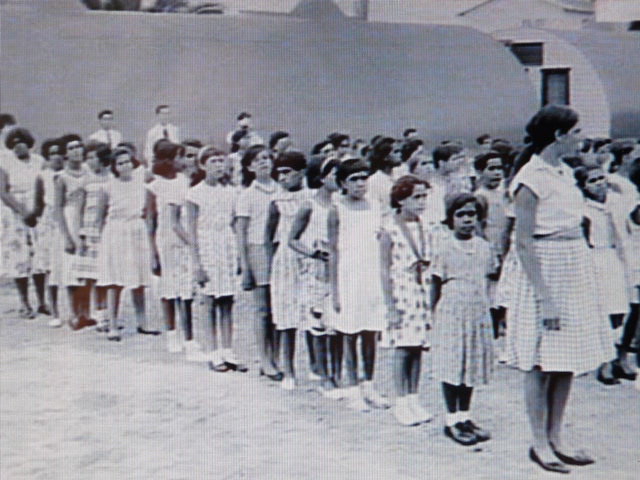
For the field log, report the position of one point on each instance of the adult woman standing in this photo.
(555, 330)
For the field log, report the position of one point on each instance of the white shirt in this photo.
(156, 133)
(109, 137)
(253, 203)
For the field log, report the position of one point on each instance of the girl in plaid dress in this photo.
(405, 257)
(462, 338)
(555, 329)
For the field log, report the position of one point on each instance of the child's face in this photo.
(21, 150)
(416, 204)
(55, 160)
(189, 160)
(596, 185)
(93, 162)
(355, 185)
(261, 165)
(465, 219)
(283, 144)
(216, 166)
(75, 153)
(124, 165)
(493, 173)
(424, 167)
(330, 182)
(289, 178)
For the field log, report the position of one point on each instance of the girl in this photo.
(251, 220)
(210, 213)
(462, 346)
(309, 237)
(355, 279)
(604, 237)
(405, 257)
(22, 195)
(69, 197)
(170, 244)
(286, 306)
(97, 160)
(123, 252)
(49, 239)
(555, 329)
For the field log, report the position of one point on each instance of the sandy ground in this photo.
(75, 406)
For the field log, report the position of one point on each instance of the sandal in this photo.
(113, 336)
(27, 313)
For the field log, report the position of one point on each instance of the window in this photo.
(555, 86)
(529, 54)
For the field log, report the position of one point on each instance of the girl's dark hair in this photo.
(47, 144)
(276, 137)
(481, 161)
(6, 120)
(316, 173)
(379, 152)
(114, 157)
(67, 139)
(442, 153)
(582, 173)
(350, 166)
(103, 152)
(481, 139)
(133, 151)
(192, 142)
(403, 188)
(164, 161)
(19, 135)
(457, 200)
(336, 138)
(208, 152)
(546, 122)
(409, 148)
(319, 146)
(248, 157)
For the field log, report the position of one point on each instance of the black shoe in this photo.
(237, 367)
(580, 458)
(481, 434)
(618, 372)
(44, 310)
(81, 322)
(459, 433)
(557, 467)
(606, 380)
(276, 377)
(220, 367)
(142, 331)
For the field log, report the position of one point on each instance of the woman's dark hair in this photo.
(235, 139)
(442, 153)
(619, 149)
(547, 121)
(19, 135)
(480, 161)
(103, 152)
(248, 158)
(379, 152)
(336, 138)
(319, 146)
(192, 142)
(276, 137)
(47, 144)
(409, 148)
(67, 139)
(317, 172)
(165, 154)
(6, 120)
(207, 152)
(598, 143)
(403, 188)
(582, 173)
(348, 167)
(457, 200)
(114, 158)
(482, 138)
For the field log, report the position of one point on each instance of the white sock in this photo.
(463, 415)
(451, 419)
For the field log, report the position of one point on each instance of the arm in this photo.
(7, 198)
(385, 276)
(273, 219)
(299, 226)
(193, 211)
(333, 228)
(151, 221)
(59, 204)
(526, 205)
(101, 210)
(505, 240)
(38, 204)
(176, 224)
(241, 227)
(436, 291)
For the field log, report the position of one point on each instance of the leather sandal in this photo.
(557, 467)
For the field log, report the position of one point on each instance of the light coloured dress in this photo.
(93, 186)
(123, 252)
(359, 285)
(176, 280)
(216, 239)
(410, 287)
(287, 304)
(462, 333)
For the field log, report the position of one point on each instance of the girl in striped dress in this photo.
(210, 214)
(286, 305)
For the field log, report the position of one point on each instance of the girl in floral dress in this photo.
(405, 258)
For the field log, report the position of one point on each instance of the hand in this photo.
(394, 319)
(30, 220)
(336, 303)
(83, 247)
(616, 321)
(550, 316)
(248, 282)
(321, 255)
(156, 268)
(200, 276)
(69, 246)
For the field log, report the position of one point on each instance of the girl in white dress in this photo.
(405, 258)
(287, 306)
(354, 267)
(123, 252)
(310, 237)
(210, 216)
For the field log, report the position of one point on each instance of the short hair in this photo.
(319, 146)
(350, 166)
(66, 139)
(114, 156)
(403, 188)
(336, 138)
(249, 156)
(455, 201)
(620, 148)
(164, 150)
(243, 115)
(408, 131)
(19, 135)
(581, 173)
(104, 113)
(316, 173)
(159, 108)
(409, 148)
(6, 120)
(483, 138)
(546, 122)
(276, 137)
(293, 159)
(379, 152)
(598, 143)
(442, 153)
(192, 142)
(47, 144)
(103, 152)
(480, 161)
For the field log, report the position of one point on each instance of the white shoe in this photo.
(420, 414)
(637, 382)
(313, 377)
(55, 323)
(288, 383)
(173, 343)
(194, 353)
(355, 400)
(403, 413)
(376, 399)
(333, 393)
